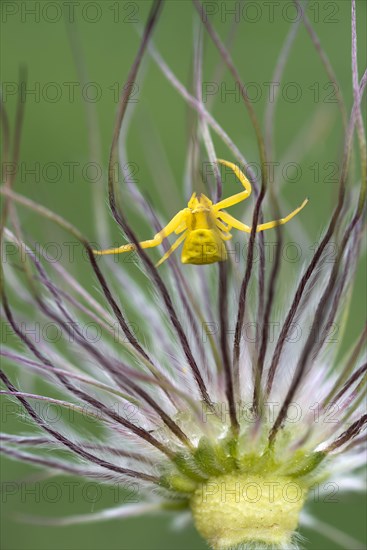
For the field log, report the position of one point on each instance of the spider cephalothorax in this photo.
(204, 227)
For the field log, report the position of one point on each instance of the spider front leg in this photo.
(177, 220)
(234, 199)
(263, 226)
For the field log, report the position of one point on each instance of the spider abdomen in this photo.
(203, 246)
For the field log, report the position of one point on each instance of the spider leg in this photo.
(175, 245)
(234, 199)
(226, 236)
(262, 227)
(178, 219)
(181, 228)
(222, 226)
(233, 222)
(282, 221)
(225, 229)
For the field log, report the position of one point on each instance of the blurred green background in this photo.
(55, 139)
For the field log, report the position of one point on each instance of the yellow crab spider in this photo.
(204, 227)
